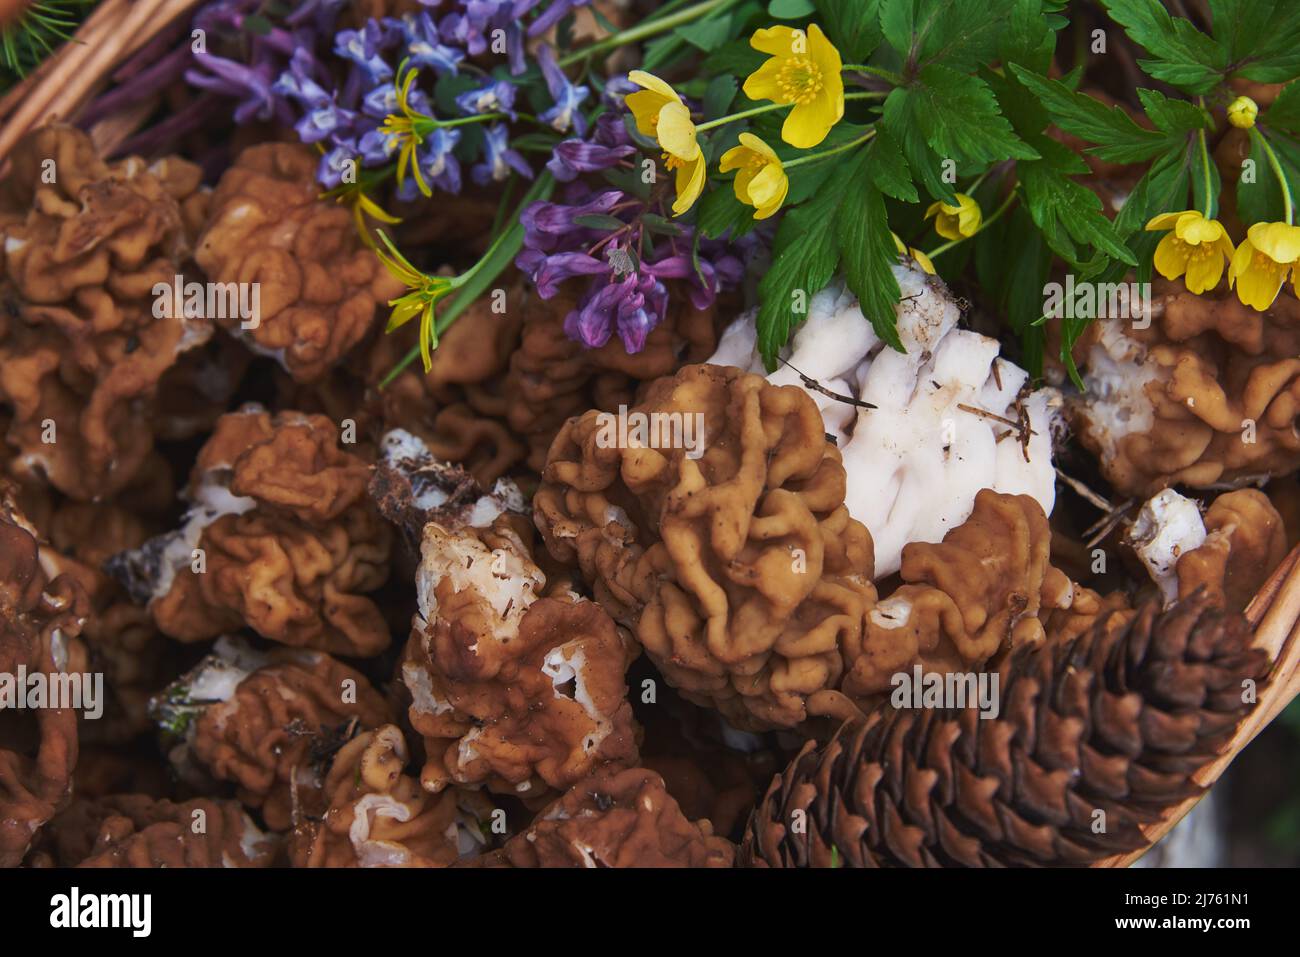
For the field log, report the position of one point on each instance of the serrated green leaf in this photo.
(1089, 119)
(1162, 189)
(709, 33)
(853, 26)
(958, 117)
(718, 96)
(888, 169)
(719, 212)
(1173, 117)
(1260, 38)
(805, 255)
(1181, 54)
(1069, 213)
(1284, 112)
(958, 34)
(867, 251)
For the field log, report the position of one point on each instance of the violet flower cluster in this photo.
(626, 267)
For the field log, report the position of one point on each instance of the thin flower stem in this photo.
(997, 213)
(890, 75)
(802, 160)
(744, 114)
(646, 29)
(1258, 138)
(1208, 211)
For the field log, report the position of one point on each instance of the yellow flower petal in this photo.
(648, 81)
(758, 146)
(764, 83)
(676, 132)
(780, 41)
(1204, 272)
(1164, 221)
(767, 190)
(1193, 228)
(1278, 241)
(924, 261)
(806, 126)
(690, 183)
(1171, 257)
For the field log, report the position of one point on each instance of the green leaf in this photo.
(1173, 117)
(1260, 38)
(958, 117)
(720, 211)
(887, 168)
(1162, 189)
(853, 26)
(1284, 113)
(1181, 54)
(959, 34)
(1069, 213)
(1089, 119)
(598, 221)
(790, 9)
(709, 33)
(867, 251)
(805, 255)
(718, 96)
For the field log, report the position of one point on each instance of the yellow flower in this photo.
(361, 206)
(406, 130)
(425, 292)
(1196, 246)
(660, 113)
(1242, 112)
(921, 258)
(804, 69)
(1263, 261)
(956, 222)
(761, 182)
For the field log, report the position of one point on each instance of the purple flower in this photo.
(424, 46)
(362, 48)
(547, 225)
(438, 164)
(567, 97)
(632, 305)
(329, 172)
(473, 29)
(376, 148)
(495, 97)
(607, 144)
(557, 11)
(380, 102)
(498, 158)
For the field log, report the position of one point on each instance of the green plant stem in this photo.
(647, 29)
(1208, 211)
(890, 75)
(814, 157)
(1258, 138)
(746, 114)
(475, 281)
(1006, 204)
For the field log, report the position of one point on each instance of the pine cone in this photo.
(1114, 721)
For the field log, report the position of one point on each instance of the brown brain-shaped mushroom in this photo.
(280, 538)
(82, 347)
(41, 614)
(379, 816)
(269, 721)
(135, 830)
(1207, 395)
(987, 588)
(738, 565)
(614, 819)
(1245, 542)
(508, 689)
(552, 377)
(319, 286)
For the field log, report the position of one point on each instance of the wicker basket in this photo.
(67, 81)
(1275, 615)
